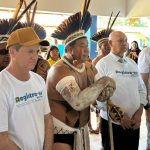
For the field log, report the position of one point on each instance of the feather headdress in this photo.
(7, 26)
(103, 35)
(40, 31)
(75, 26)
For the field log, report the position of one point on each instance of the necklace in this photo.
(80, 70)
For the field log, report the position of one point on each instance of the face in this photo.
(25, 58)
(118, 43)
(105, 48)
(54, 53)
(80, 50)
(134, 45)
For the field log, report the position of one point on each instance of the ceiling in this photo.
(128, 8)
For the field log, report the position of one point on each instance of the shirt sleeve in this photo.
(100, 68)
(47, 109)
(144, 61)
(144, 67)
(142, 91)
(4, 109)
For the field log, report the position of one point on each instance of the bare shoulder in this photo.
(57, 72)
(95, 60)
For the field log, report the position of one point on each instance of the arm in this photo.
(48, 141)
(136, 118)
(6, 143)
(142, 91)
(143, 65)
(145, 77)
(80, 99)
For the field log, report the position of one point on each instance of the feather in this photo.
(9, 25)
(67, 27)
(20, 16)
(40, 31)
(18, 7)
(33, 14)
(84, 11)
(114, 20)
(109, 20)
(105, 32)
(27, 13)
(79, 21)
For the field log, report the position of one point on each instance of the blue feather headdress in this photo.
(75, 26)
(7, 26)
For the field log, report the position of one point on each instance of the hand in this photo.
(136, 118)
(106, 93)
(135, 55)
(126, 122)
(109, 88)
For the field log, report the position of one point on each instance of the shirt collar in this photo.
(116, 58)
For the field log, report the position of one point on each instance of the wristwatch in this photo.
(147, 106)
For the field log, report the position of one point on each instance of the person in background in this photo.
(144, 69)
(7, 26)
(101, 38)
(53, 55)
(4, 55)
(73, 84)
(134, 51)
(103, 49)
(25, 120)
(42, 66)
(44, 51)
(130, 99)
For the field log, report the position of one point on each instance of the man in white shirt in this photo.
(130, 94)
(144, 69)
(25, 120)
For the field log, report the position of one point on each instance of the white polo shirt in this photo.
(130, 89)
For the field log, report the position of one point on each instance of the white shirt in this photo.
(23, 105)
(144, 65)
(130, 89)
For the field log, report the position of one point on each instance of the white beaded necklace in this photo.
(80, 70)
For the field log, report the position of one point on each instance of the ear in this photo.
(69, 48)
(12, 51)
(110, 42)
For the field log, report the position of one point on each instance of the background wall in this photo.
(97, 7)
(137, 8)
(128, 8)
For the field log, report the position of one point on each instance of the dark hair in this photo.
(136, 44)
(51, 49)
